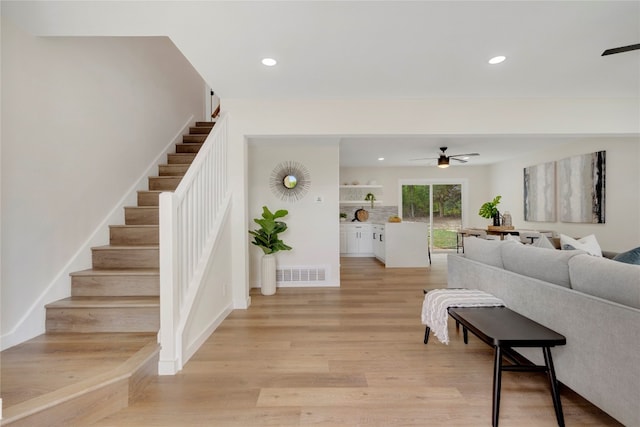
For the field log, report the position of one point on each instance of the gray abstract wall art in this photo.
(540, 192)
(582, 188)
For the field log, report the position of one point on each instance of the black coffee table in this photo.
(504, 329)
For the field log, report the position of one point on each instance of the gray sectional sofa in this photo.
(594, 302)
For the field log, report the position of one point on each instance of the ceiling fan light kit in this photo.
(443, 162)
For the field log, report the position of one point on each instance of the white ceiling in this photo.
(402, 150)
(421, 49)
(381, 49)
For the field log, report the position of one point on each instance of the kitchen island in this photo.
(406, 244)
(396, 244)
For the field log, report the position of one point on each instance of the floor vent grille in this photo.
(301, 274)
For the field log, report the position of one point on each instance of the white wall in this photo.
(83, 119)
(621, 231)
(477, 189)
(313, 227)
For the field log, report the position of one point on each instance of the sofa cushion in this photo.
(485, 251)
(630, 257)
(605, 278)
(539, 263)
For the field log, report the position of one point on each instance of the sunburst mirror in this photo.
(290, 181)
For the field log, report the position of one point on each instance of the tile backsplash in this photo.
(378, 214)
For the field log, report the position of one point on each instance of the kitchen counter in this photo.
(396, 244)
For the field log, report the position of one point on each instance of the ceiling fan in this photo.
(621, 49)
(443, 160)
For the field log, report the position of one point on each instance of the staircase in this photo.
(108, 328)
(121, 292)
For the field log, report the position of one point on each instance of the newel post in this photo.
(169, 363)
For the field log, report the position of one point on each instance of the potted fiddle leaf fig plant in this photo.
(490, 210)
(266, 238)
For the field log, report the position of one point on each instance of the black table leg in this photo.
(555, 393)
(497, 379)
(426, 334)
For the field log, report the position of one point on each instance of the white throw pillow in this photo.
(588, 244)
(543, 242)
(513, 238)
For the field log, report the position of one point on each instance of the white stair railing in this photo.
(190, 221)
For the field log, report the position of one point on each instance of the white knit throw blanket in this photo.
(437, 301)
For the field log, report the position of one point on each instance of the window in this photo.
(438, 203)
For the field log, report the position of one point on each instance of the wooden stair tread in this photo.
(199, 130)
(124, 247)
(181, 158)
(175, 165)
(149, 197)
(106, 302)
(150, 226)
(118, 272)
(68, 386)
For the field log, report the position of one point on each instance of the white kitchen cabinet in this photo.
(395, 244)
(379, 242)
(356, 239)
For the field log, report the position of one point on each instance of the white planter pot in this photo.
(268, 275)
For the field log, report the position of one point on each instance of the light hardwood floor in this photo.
(351, 356)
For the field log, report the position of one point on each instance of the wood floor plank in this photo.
(360, 396)
(348, 356)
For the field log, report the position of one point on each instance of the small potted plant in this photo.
(370, 197)
(343, 216)
(266, 238)
(490, 210)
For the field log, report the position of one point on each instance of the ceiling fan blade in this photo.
(424, 158)
(465, 155)
(457, 160)
(621, 49)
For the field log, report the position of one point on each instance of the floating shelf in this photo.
(359, 202)
(354, 195)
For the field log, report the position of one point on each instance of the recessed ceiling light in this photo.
(497, 59)
(269, 62)
(381, 158)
